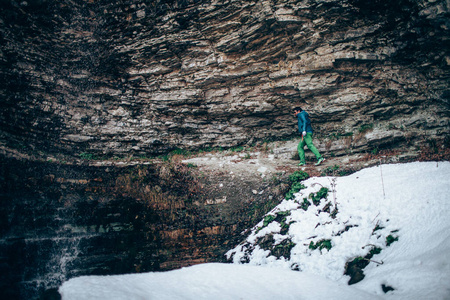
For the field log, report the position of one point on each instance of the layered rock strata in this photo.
(145, 77)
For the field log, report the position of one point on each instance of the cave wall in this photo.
(145, 77)
(59, 221)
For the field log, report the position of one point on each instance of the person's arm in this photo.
(301, 123)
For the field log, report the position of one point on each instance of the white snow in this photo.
(408, 201)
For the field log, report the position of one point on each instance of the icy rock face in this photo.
(148, 76)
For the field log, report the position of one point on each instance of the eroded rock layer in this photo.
(135, 76)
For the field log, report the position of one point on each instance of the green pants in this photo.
(307, 140)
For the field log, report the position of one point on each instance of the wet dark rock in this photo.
(387, 288)
(60, 220)
(354, 269)
(51, 294)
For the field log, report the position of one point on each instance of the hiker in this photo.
(305, 129)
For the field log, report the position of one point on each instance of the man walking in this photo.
(305, 129)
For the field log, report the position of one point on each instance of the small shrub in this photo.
(321, 194)
(326, 208)
(320, 244)
(377, 227)
(390, 239)
(298, 176)
(374, 251)
(284, 226)
(268, 219)
(283, 249)
(433, 145)
(237, 149)
(180, 151)
(87, 156)
(334, 213)
(330, 171)
(295, 188)
(280, 217)
(347, 134)
(365, 128)
(337, 171)
(337, 135)
(305, 204)
(345, 172)
(333, 136)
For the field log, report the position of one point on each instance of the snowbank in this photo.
(407, 203)
(210, 281)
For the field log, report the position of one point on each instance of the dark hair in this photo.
(298, 109)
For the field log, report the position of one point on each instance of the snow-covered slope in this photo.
(406, 203)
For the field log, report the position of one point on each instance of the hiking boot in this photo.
(302, 164)
(320, 161)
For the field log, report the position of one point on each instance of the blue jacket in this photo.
(304, 123)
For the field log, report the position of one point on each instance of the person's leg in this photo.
(301, 151)
(308, 140)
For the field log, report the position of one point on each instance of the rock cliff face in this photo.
(60, 221)
(145, 77)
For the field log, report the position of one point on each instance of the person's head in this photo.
(297, 110)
